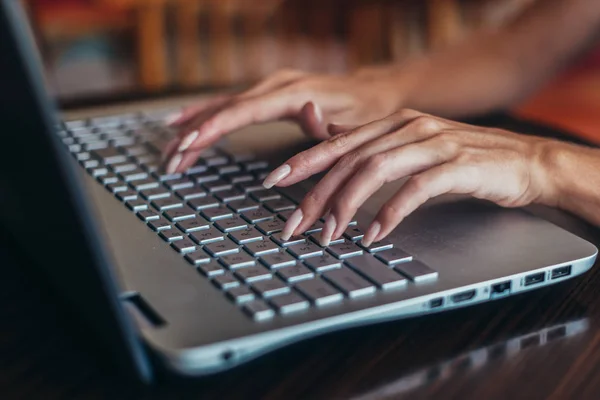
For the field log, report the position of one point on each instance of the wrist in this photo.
(555, 161)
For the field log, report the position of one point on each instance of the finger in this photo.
(443, 179)
(188, 113)
(336, 129)
(327, 153)
(356, 187)
(180, 162)
(311, 121)
(275, 81)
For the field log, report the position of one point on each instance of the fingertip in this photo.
(371, 234)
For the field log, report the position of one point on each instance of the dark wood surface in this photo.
(488, 351)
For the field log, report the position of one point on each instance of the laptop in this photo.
(188, 274)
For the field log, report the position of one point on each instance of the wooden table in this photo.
(513, 348)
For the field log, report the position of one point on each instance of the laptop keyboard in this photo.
(222, 221)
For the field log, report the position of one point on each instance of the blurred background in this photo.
(106, 50)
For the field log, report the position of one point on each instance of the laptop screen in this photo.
(42, 202)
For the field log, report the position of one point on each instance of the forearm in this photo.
(574, 176)
(494, 70)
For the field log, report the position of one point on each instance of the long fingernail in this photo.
(174, 163)
(277, 175)
(371, 234)
(328, 229)
(291, 224)
(187, 141)
(170, 119)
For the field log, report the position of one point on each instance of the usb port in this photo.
(435, 303)
(534, 278)
(501, 289)
(561, 271)
(464, 296)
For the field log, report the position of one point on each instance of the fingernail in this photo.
(174, 163)
(291, 224)
(318, 113)
(170, 119)
(277, 175)
(371, 234)
(187, 141)
(328, 229)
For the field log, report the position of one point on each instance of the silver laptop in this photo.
(189, 270)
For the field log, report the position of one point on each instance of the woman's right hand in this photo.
(323, 105)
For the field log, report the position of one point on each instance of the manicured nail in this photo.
(187, 141)
(174, 163)
(277, 175)
(371, 234)
(291, 224)
(328, 229)
(170, 119)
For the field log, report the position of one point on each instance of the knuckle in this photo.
(417, 184)
(377, 162)
(301, 162)
(406, 113)
(338, 142)
(390, 211)
(424, 123)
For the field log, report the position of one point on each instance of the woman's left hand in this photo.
(439, 156)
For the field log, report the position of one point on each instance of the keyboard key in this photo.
(159, 224)
(230, 195)
(278, 260)
(225, 281)
(155, 193)
(295, 273)
(345, 250)
(284, 215)
(166, 203)
(241, 294)
(249, 187)
(316, 227)
(416, 271)
(215, 161)
(200, 257)
(222, 247)
(171, 235)
(393, 256)
(123, 167)
(257, 215)
(253, 274)
(238, 260)
(196, 169)
(217, 185)
(96, 172)
(323, 263)
(193, 224)
(305, 250)
(316, 237)
(377, 272)
(184, 246)
(291, 241)
(126, 195)
(231, 224)
(264, 195)
(270, 227)
(217, 213)
(240, 206)
(354, 233)
(246, 235)
(179, 214)
(289, 303)
(239, 177)
(109, 155)
(228, 169)
(190, 193)
(204, 177)
(349, 282)
(181, 183)
(279, 205)
(136, 205)
(319, 292)
(137, 174)
(167, 177)
(203, 203)
(254, 165)
(270, 287)
(259, 310)
(108, 179)
(147, 215)
(378, 246)
(262, 247)
(144, 184)
(205, 236)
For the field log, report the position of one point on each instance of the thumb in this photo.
(311, 121)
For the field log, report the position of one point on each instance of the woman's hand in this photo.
(322, 105)
(439, 156)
